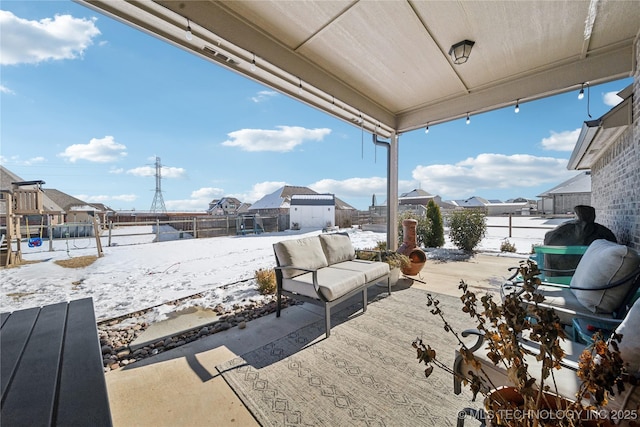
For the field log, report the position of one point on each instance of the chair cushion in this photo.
(333, 283)
(565, 302)
(372, 270)
(304, 253)
(603, 263)
(337, 247)
(630, 344)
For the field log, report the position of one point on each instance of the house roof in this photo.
(415, 194)
(597, 135)
(387, 63)
(281, 198)
(581, 183)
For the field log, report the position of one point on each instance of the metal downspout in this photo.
(392, 189)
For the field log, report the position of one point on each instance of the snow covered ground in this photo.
(136, 274)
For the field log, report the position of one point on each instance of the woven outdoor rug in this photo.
(365, 374)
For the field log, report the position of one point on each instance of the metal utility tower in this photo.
(158, 201)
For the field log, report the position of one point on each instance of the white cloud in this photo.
(6, 90)
(15, 160)
(561, 141)
(116, 171)
(103, 150)
(351, 187)
(489, 172)
(105, 199)
(286, 138)
(611, 99)
(165, 171)
(207, 193)
(264, 95)
(258, 191)
(199, 200)
(31, 42)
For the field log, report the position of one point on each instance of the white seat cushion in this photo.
(372, 270)
(603, 263)
(333, 283)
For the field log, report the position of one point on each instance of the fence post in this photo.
(157, 230)
(195, 231)
(110, 228)
(510, 224)
(50, 233)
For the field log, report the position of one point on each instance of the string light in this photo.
(517, 109)
(468, 119)
(300, 87)
(426, 130)
(581, 93)
(188, 35)
(253, 63)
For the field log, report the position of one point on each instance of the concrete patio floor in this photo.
(182, 387)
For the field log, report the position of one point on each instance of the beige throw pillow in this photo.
(603, 263)
(630, 345)
(337, 247)
(304, 253)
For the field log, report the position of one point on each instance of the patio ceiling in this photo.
(384, 65)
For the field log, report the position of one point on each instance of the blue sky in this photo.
(87, 103)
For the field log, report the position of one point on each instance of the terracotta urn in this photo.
(410, 248)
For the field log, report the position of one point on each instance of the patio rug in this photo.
(365, 374)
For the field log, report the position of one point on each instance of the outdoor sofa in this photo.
(324, 270)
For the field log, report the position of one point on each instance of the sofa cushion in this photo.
(305, 253)
(603, 263)
(333, 283)
(337, 247)
(372, 270)
(630, 345)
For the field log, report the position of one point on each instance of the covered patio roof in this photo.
(385, 65)
(388, 61)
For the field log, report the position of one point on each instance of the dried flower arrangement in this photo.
(503, 326)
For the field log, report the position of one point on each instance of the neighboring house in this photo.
(279, 203)
(562, 198)
(610, 148)
(474, 202)
(226, 206)
(315, 211)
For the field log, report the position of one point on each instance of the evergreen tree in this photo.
(435, 238)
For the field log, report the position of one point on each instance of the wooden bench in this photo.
(51, 370)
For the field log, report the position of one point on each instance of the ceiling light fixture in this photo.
(517, 109)
(460, 51)
(188, 35)
(581, 93)
(468, 119)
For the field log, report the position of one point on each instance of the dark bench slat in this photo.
(30, 400)
(83, 398)
(3, 318)
(16, 328)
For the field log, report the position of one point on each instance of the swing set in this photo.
(34, 241)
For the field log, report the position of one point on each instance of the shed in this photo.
(312, 211)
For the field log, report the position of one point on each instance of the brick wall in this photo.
(615, 177)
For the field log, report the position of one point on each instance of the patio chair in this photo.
(566, 379)
(603, 286)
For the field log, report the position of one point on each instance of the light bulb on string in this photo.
(517, 109)
(581, 93)
(426, 130)
(188, 35)
(253, 63)
(468, 119)
(300, 87)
